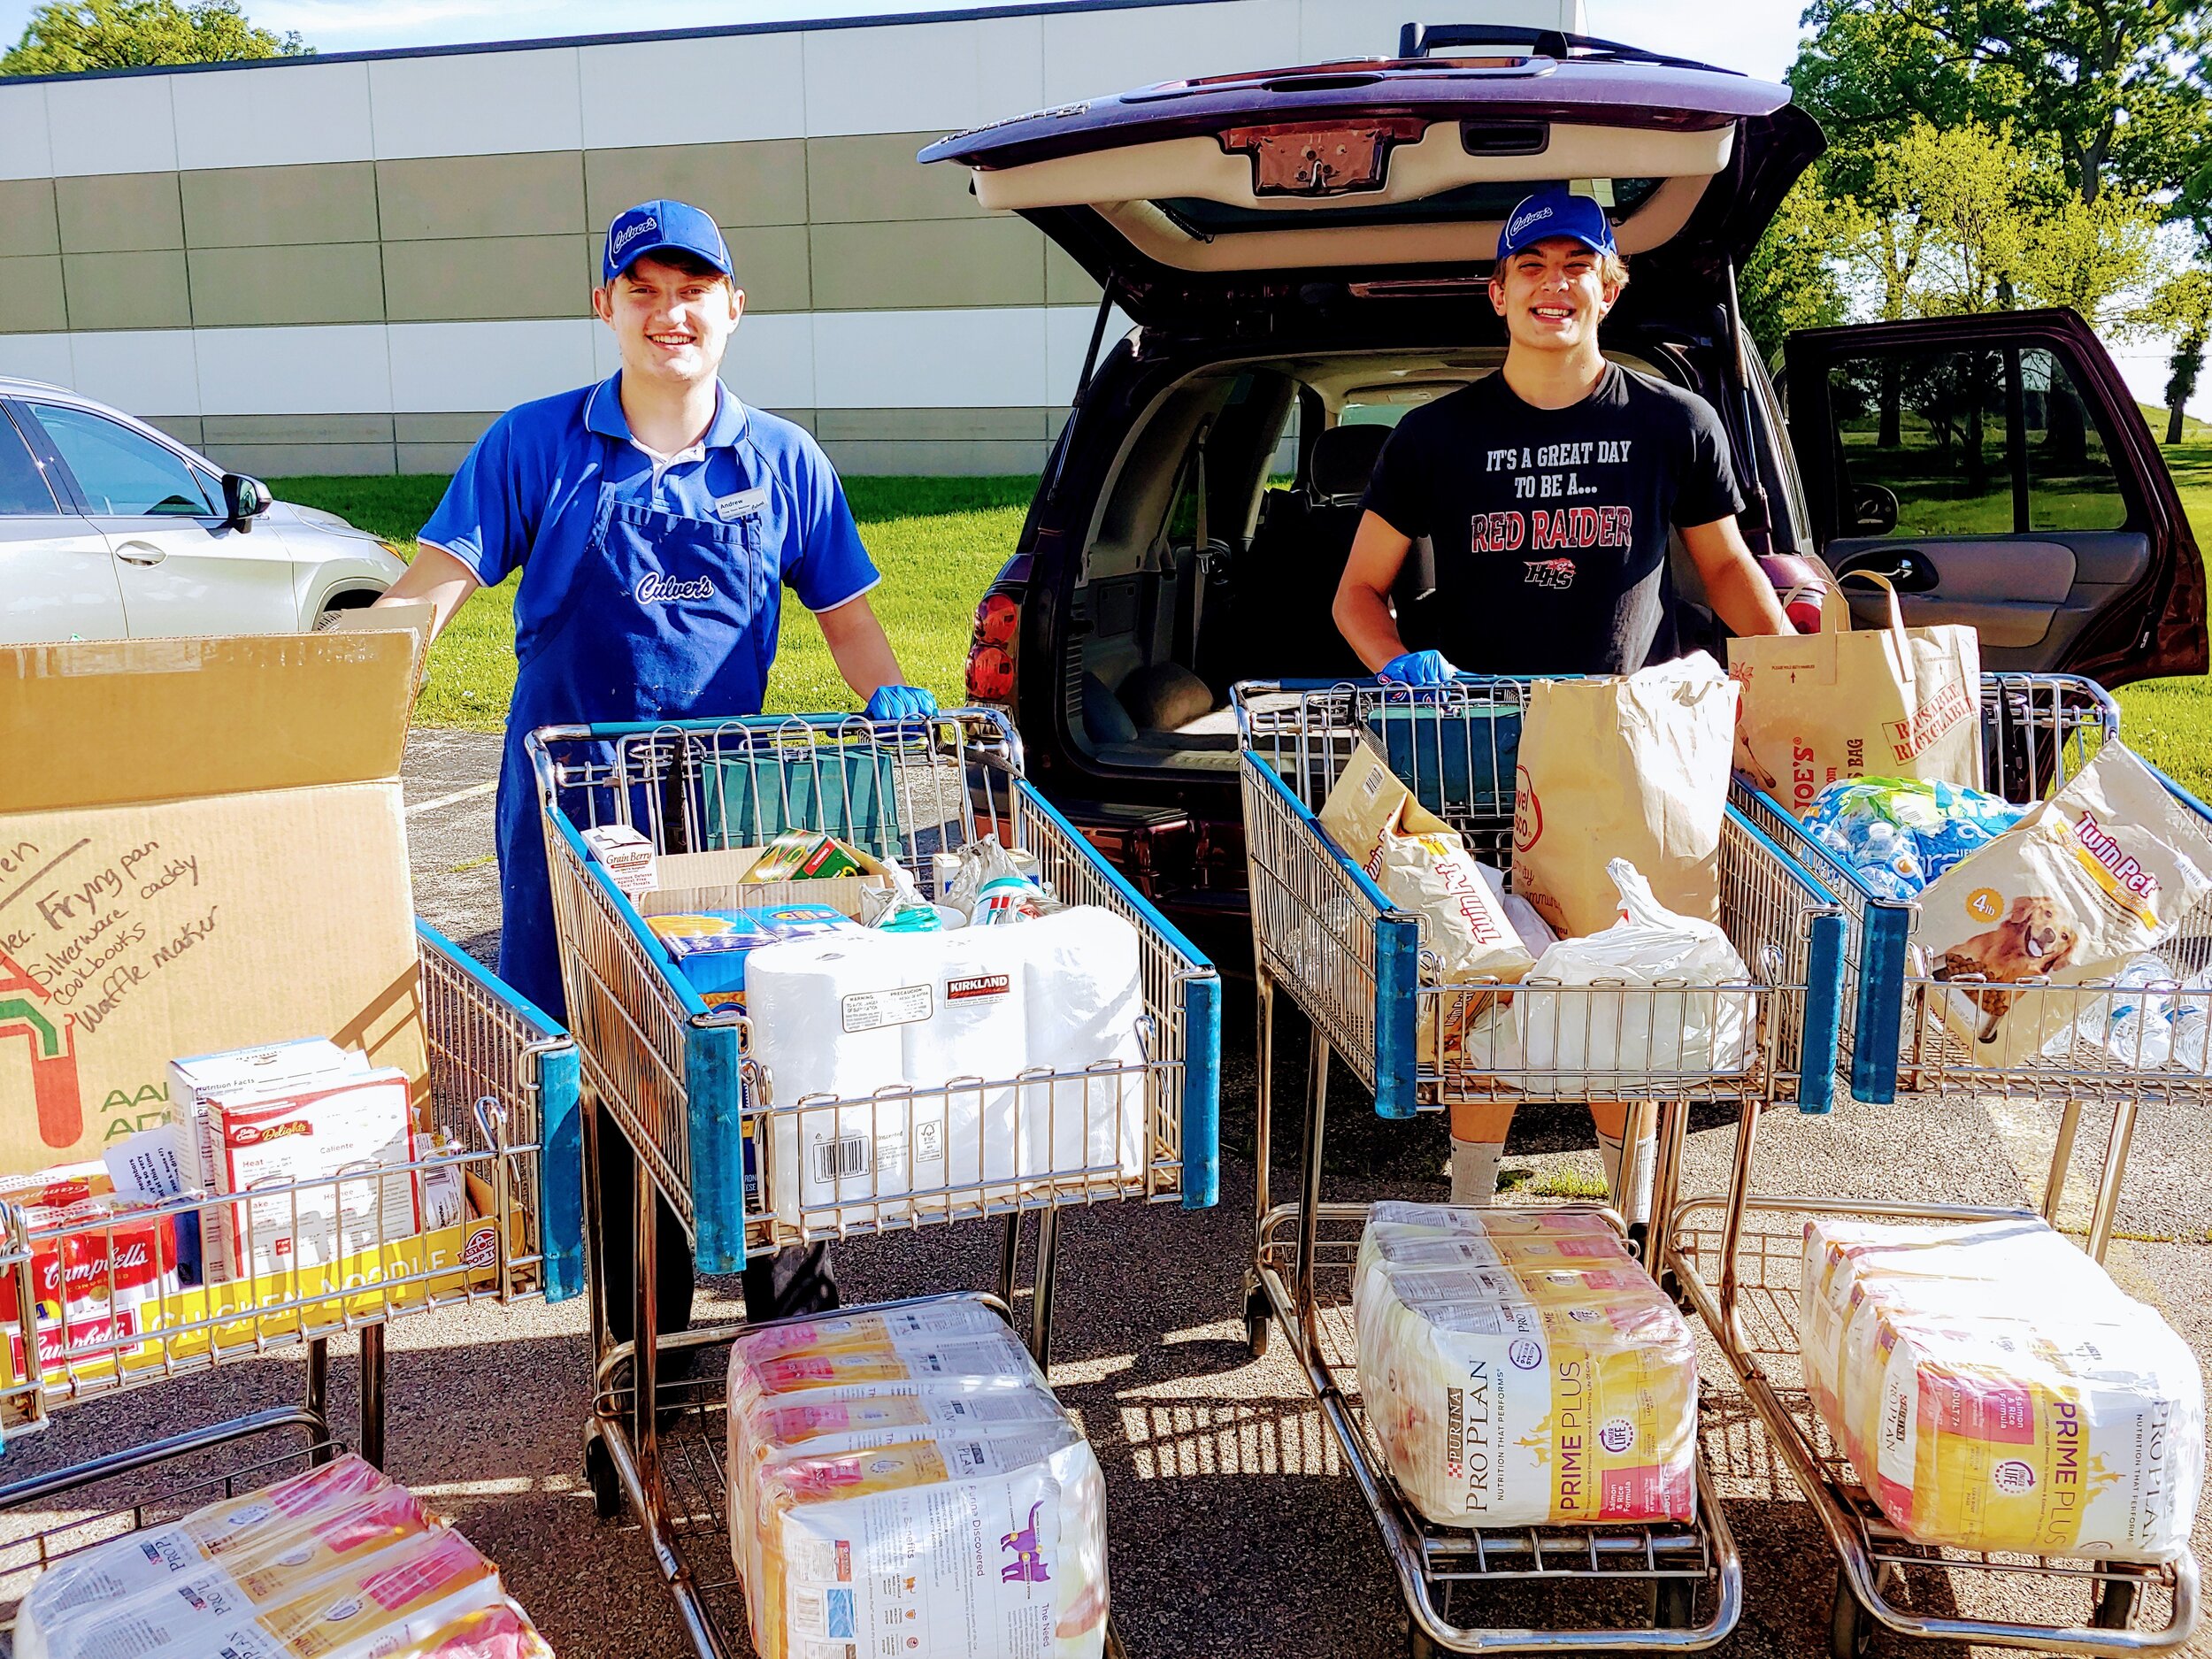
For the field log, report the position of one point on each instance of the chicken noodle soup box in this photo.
(202, 846)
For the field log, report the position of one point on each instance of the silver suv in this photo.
(111, 529)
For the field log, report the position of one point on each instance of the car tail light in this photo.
(991, 649)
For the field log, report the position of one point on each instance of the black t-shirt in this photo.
(1550, 525)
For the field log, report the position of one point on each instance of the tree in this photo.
(1947, 218)
(1790, 281)
(2118, 87)
(67, 36)
(2181, 307)
(2091, 256)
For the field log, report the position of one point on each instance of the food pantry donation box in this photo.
(202, 846)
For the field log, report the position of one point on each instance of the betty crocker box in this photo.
(319, 1148)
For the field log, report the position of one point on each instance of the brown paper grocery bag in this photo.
(1881, 703)
(1633, 767)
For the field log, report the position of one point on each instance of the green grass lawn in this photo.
(2171, 720)
(937, 540)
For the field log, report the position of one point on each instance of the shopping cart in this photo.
(678, 1080)
(2037, 731)
(1738, 1258)
(105, 1317)
(1326, 935)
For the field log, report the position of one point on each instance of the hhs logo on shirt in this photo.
(655, 589)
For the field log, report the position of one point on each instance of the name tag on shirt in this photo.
(744, 505)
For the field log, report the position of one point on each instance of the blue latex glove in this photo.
(900, 702)
(1418, 668)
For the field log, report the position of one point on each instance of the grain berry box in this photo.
(202, 848)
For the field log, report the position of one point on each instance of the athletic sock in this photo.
(1475, 1171)
(1630, 1189)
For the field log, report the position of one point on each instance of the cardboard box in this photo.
(202, 846)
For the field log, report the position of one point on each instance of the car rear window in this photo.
(23, 492)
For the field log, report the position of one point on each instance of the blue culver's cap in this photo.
(1556, 213)
(657, 227)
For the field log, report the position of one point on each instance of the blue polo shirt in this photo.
(527, 496)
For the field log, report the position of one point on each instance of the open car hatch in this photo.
(1191, 195)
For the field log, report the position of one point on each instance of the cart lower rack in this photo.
(1738, 1259)
(1306, 1289)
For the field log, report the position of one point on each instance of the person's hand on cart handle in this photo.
(1418, 668)
(902, 702)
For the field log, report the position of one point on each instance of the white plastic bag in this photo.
(1635, 1009)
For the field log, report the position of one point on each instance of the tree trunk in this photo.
(1892, 428)
(2181, 381)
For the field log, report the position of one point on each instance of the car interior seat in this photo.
(1286, 580)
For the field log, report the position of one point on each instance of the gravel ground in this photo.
(1235, 1526)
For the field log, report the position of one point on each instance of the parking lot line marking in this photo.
(471, 792)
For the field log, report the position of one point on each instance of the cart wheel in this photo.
(606, 1486)
(1673, 1603)
(1258, 1321)
(2115, 1602)
(1850, 1626)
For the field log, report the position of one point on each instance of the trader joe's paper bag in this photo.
(1890, 702)
(2106, 868)
(1633, 767)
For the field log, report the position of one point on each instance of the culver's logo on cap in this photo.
(631, 232)
(1530, 217)
(655, 589)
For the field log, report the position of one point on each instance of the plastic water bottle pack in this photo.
(1899, 833)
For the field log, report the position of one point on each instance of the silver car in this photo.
(111, 529)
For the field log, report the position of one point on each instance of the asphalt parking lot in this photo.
(1234, 1527)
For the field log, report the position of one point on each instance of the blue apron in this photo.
(664, 617)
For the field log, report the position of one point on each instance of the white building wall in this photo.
(113, 294)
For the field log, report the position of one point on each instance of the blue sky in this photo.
(1758, 36)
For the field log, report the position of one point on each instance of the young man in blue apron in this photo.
(656, 520)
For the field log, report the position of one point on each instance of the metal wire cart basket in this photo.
(749, 1167)
(109, 1312)
(1326, 935)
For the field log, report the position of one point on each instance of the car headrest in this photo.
(1343, 460)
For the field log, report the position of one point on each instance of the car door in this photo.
(57, 576)
(182, 568)
(1998, 471)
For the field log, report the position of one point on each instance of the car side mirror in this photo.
(244, 500)
(1873, 510)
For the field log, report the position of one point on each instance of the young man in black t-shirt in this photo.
(1548, 490)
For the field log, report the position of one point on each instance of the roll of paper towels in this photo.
(827, 1017)
(973, 1044)
(1086, 995)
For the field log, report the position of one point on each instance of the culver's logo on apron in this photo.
(653, 588)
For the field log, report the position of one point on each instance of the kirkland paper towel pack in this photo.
(958, 1015)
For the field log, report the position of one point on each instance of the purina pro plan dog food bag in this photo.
(2104, 870)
